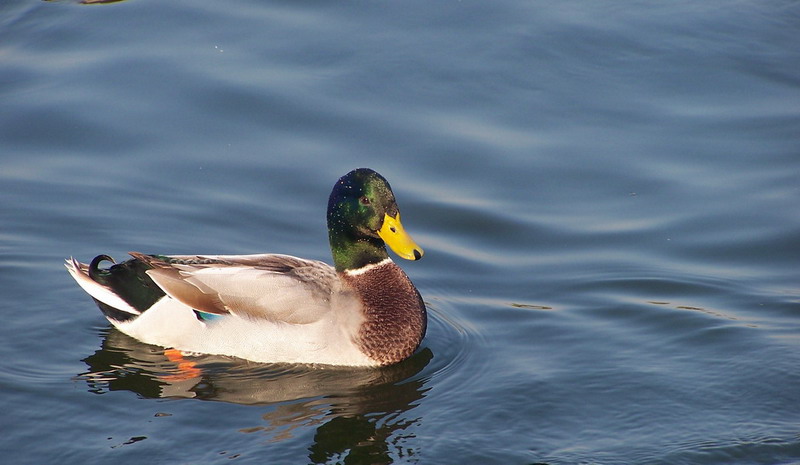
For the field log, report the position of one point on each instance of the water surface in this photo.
(607, 195)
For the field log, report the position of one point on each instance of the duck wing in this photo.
(274, 287)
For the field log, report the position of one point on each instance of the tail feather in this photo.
(112, 305)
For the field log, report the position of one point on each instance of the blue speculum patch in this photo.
(203, 316)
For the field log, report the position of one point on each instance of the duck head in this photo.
(362, 219)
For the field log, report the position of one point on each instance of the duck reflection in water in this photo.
(354, 410)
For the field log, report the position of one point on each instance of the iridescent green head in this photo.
(362, 218)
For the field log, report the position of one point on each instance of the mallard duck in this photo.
(362, 311)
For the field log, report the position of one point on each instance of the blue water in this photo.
(607, 194)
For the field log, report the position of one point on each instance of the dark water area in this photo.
(607, 194)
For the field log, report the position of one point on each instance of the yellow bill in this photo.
(397, 238)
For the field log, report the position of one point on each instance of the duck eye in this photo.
(364, 200)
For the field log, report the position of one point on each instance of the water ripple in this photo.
(452, 340)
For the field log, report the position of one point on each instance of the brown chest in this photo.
(395, 316)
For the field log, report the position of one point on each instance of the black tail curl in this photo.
(94, 267)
